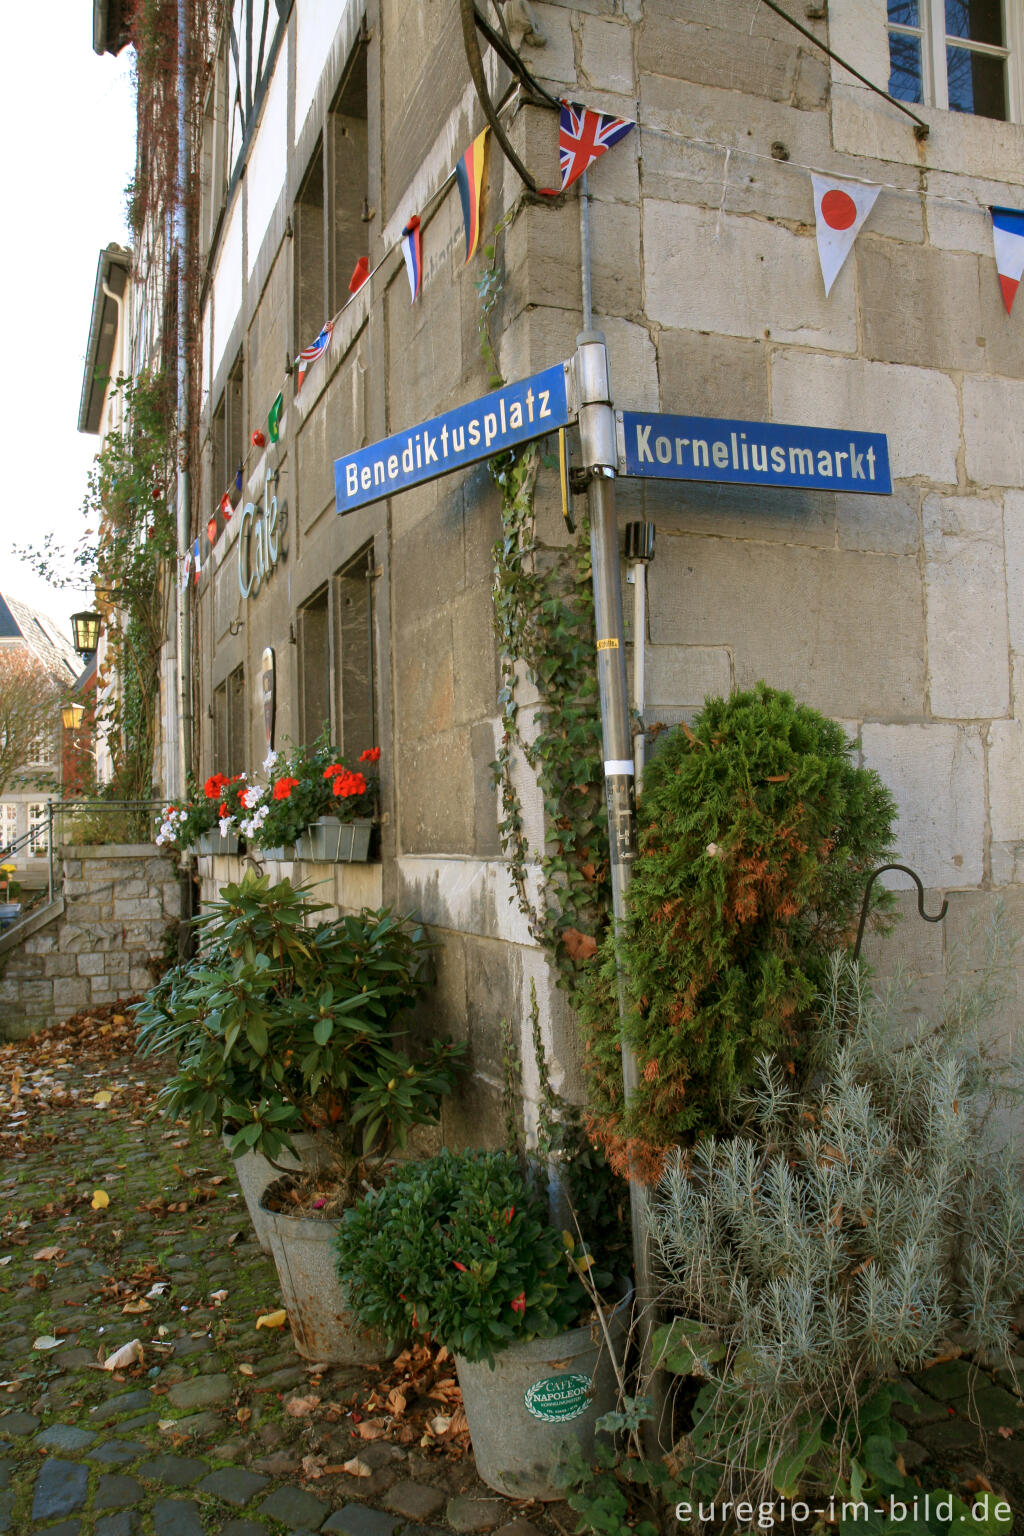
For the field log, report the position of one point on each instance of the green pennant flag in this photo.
(274, 418)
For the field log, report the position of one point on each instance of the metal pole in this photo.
(184, 488)
(639, 570)
(49, 848)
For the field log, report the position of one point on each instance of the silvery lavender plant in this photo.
(850, 1223)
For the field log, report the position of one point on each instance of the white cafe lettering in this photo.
(259, 544)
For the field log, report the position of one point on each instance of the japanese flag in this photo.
(840, 208)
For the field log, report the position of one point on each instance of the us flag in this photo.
(309, 355)
(583, 135)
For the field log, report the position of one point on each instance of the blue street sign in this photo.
(515, 414)
(752, 453)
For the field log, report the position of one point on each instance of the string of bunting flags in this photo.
(842, 206)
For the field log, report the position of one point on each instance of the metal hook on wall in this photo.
(906, 870)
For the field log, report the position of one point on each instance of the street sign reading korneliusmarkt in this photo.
(463, 436)
(767, 453)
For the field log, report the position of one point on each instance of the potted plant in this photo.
(186, 822)
(224, 794)
(280, 1030)
(460, 1248)
(314, 806)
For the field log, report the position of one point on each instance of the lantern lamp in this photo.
(72, 715)
(211, 530)
(258, 439)
(85, 631)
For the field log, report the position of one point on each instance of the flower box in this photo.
(278, 855)
(330, 841)
(213, 842)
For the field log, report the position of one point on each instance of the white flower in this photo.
(226, 823)
(269, 761)
(251, 797)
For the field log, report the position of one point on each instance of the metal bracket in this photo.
(906, 870)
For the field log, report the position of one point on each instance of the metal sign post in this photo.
(599, 452)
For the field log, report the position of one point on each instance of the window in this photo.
(8, 823)
(330, 212)
(38, 826)
(227, 436)
(356, 672)
(39, 749)
(315, 666)
(950, 53)
(230, 725)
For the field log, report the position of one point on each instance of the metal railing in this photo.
(83, 822)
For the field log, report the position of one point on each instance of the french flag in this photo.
(412, 250)
(1008, 236)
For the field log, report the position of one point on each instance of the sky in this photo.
(70, 137)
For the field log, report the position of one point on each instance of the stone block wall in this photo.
(116, 903)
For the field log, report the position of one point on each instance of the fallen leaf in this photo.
(356, 1468)
(100, 1200)
(272, 1319)
(6, 1258)
(128, 1354)
(163, 1425)
(243, 1415)
(581, 946)
(301, 1407)
(1007, 1434)
(131, 1308)
(218, 1296)
(103, 1098)
(47, 1341)
(246, 1369)
(313, 1466)
(396, 1402)
(371, 1429)
(49, 1253)
(440, 1423)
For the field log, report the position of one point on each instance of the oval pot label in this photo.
(558, 1398)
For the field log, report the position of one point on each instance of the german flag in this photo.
(469, 173)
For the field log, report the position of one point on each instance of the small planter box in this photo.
(10, 911)
(212, 842)
(278, 855)
(330, 841)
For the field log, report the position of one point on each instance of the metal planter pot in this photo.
(254, 1173)
(282, 853)
(322, 1326)
(212, 842)
(330, 841)
(537, 1396)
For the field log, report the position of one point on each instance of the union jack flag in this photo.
(309, 355)
(583, 135)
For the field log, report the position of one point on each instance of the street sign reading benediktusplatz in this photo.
(770, 453)
(463, 436)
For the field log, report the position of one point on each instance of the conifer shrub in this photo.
(757, 834)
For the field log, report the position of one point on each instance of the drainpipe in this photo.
(184, 487)
(600, 458)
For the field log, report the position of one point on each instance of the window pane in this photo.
(977, 83)
(904, 13)
(980, 20)
(904, 67)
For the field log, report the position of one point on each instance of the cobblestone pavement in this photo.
(196, 1439)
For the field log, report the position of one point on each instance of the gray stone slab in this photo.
(234, 1485)
(295, 1507)
(116, 1490)
(196, 1424)
(118, 1453)
(125, 1523)
(7, 1513)
(416, 1501)
(60, 1489)
(201, 1391)
(64, 1437)
(176, 1471)
(6, 1470)
(357, 1520)
(947, 1381)
(247, 1528)
(177, 1517)
(127, 1402)
(469, 1514)
(66, 1528)
(18, 1423)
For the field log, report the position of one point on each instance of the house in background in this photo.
(23, 805)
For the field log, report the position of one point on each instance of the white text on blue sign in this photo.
(465, 435)
(754, 453)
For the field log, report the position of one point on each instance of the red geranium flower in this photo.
(518, 1303)
(214, 785)
(347, 783)
(371, 755)
(283, 788)
(332, 769)
(222, 809)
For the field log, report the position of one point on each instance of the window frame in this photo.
(931, 32)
